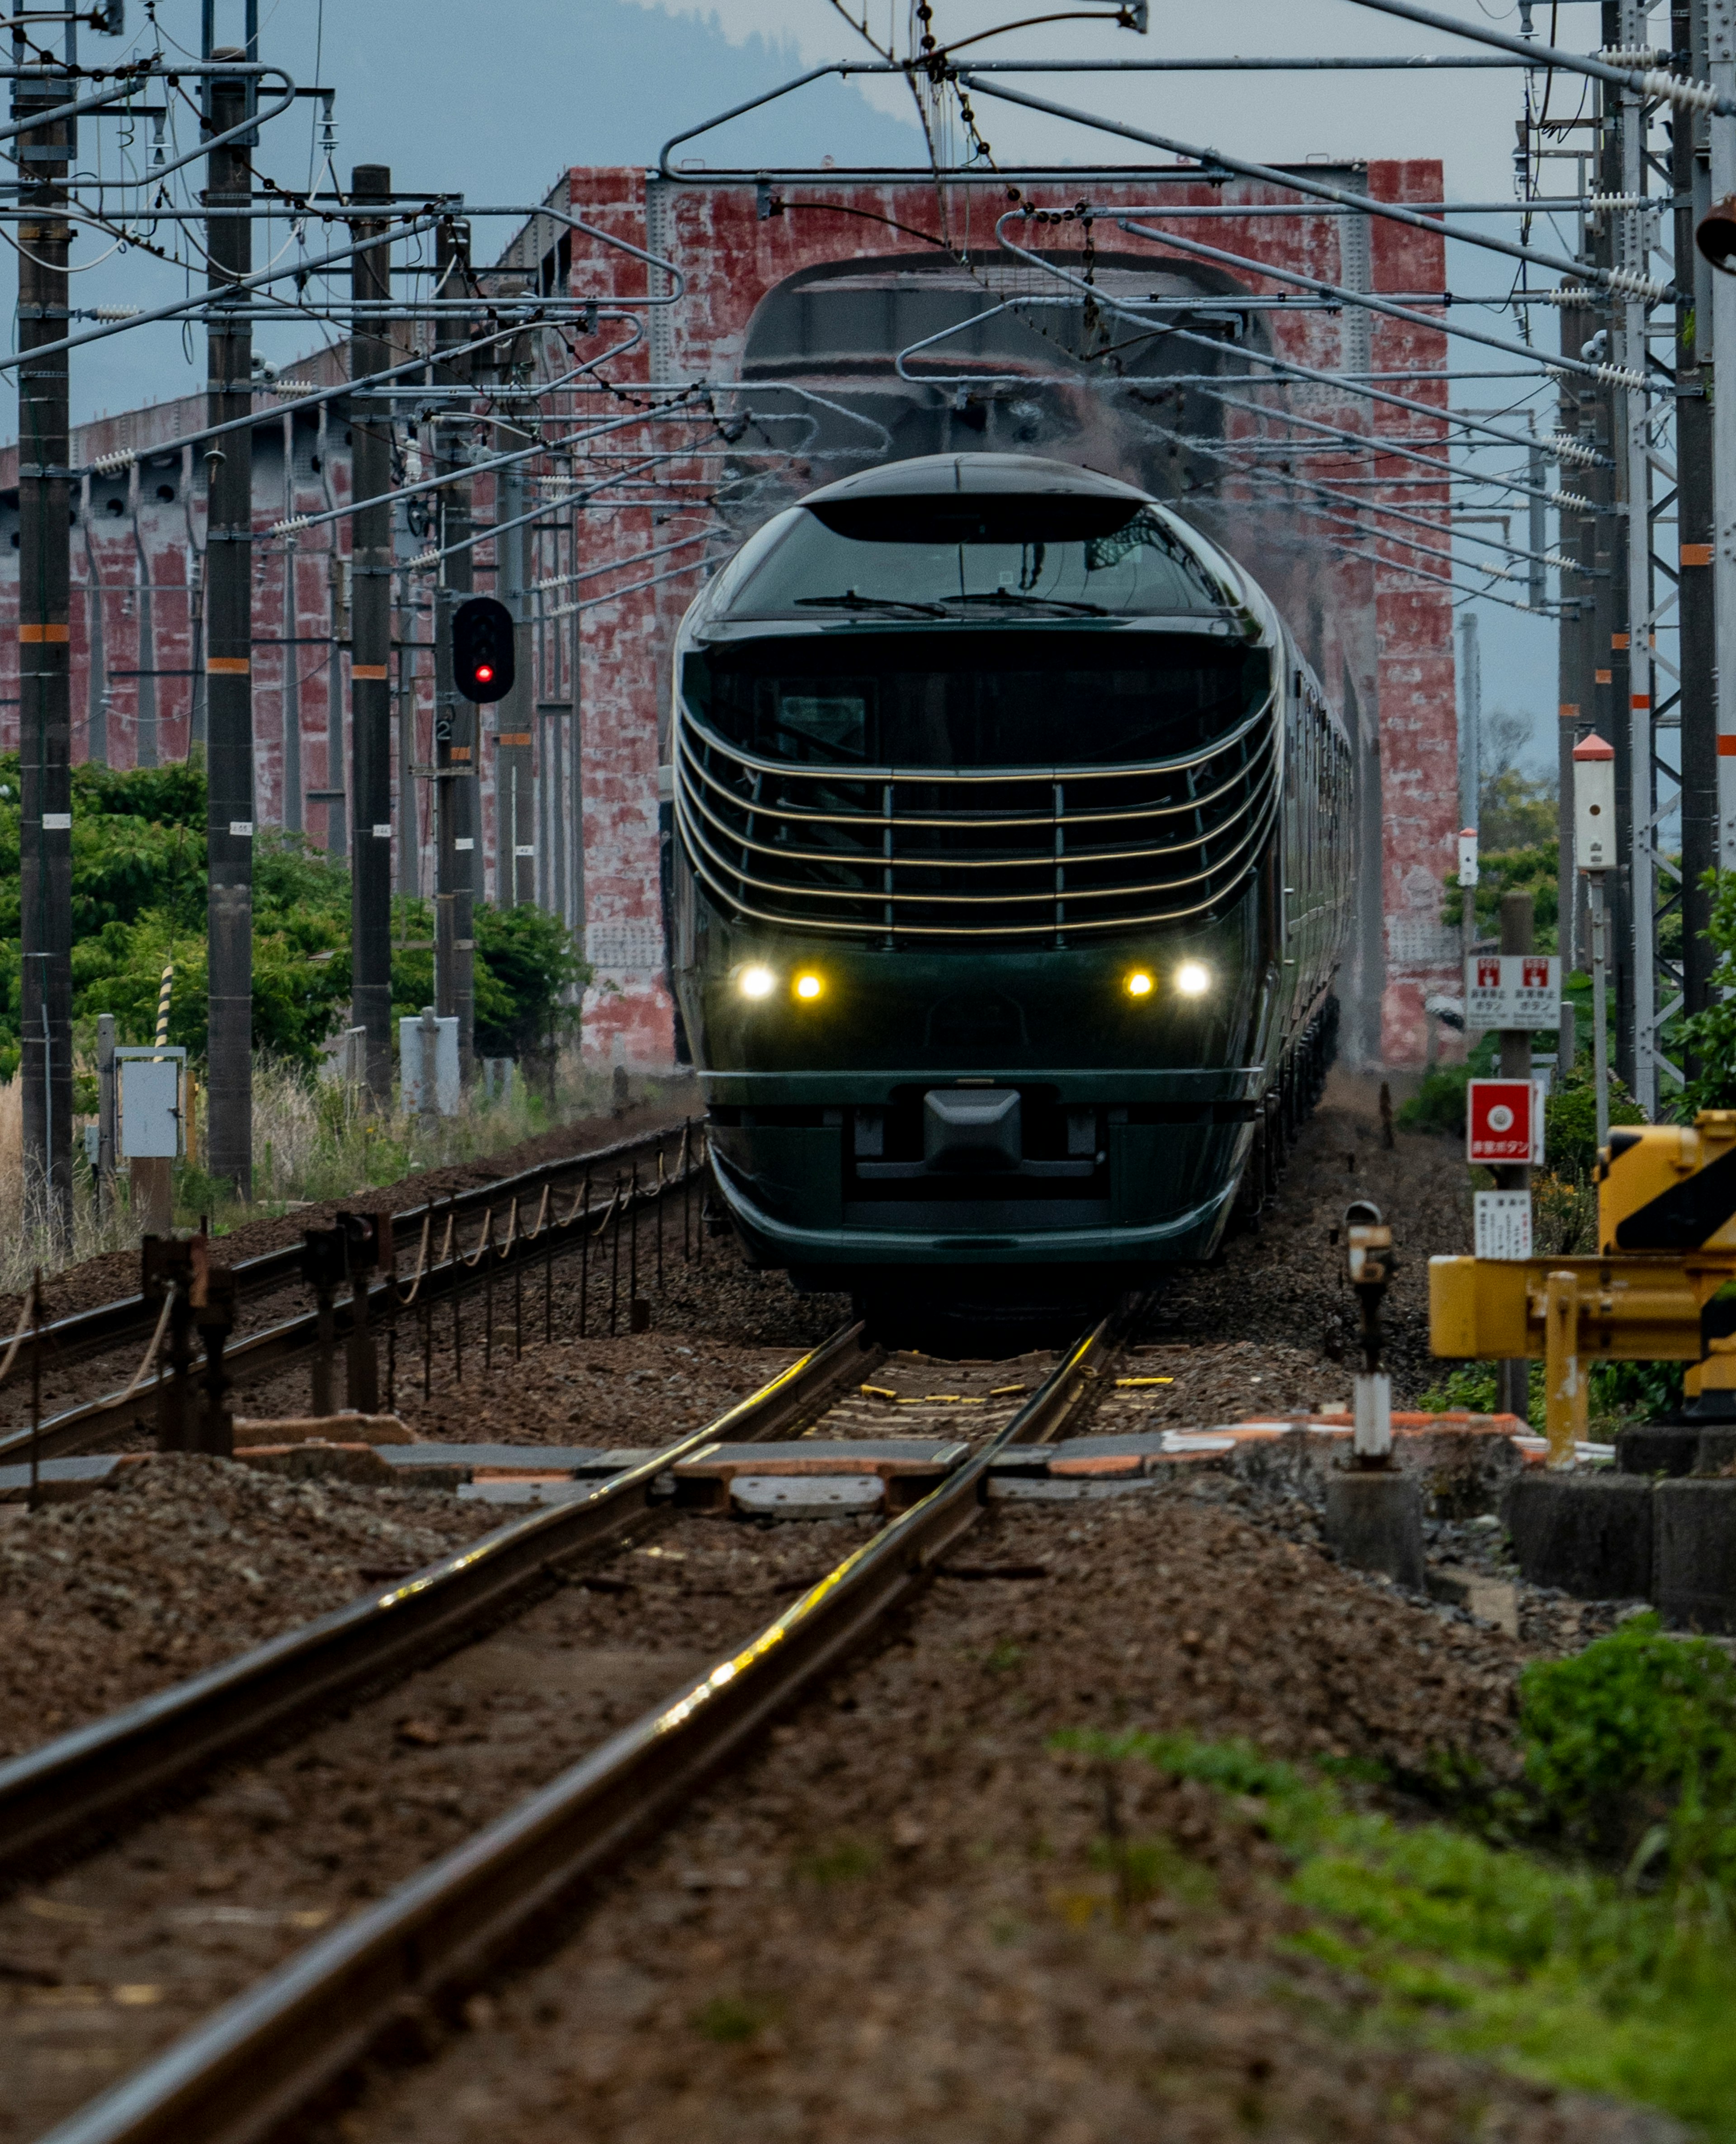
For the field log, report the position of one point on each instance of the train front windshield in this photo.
(922, 699)
(1018, 555)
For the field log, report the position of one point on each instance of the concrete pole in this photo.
(1599, 1007)
(514, 796)
(45, 708)
(229, 646)
(1721, 72)
(1579, 541)
(1512, 1385)
(1612, 716)
(1635, 444)
(458, 818)
(370, 707)
(1470, 722)
(1694, 506)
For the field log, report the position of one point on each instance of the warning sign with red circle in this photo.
(1503, 1119)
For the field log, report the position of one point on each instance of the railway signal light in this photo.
(757, 982)
(1138, 984)
(809, 986)
(1193, 978)
(481, 649)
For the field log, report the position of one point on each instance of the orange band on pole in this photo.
(1696, 555)
(228, 666)
(1602, 677)
(36, 635)
(1642, 702)
(375, 671)
(1570, 710)
(1727, 744)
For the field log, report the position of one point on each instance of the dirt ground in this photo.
(1281, 1288)
(893, 1923)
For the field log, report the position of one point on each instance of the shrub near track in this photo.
(1598, 1958)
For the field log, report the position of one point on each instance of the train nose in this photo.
(977, 1130)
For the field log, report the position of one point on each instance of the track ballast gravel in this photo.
(895, 1922)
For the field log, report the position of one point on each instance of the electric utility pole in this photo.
(229, 646)
(45, 708)
(1688, 132)
(515, 884)
(456, 816)
(370, 640)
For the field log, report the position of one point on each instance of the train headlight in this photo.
(1193, 978)
(809, 986)
(1139, 984)
(756, 982)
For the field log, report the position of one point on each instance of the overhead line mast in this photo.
(230, 805)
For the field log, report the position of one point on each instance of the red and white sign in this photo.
(1504, 1122)
(1520, 990)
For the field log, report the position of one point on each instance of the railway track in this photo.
(264, 2053)
(672, 1159)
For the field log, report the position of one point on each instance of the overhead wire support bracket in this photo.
(1299, 181)
(1638, 81)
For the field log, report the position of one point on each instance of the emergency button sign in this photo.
(1503, 1119)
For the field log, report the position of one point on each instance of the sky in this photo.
(499, 100)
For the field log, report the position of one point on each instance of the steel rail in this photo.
(81, 1783)
(130, 1317)
(267, 1351)
(251, 2065)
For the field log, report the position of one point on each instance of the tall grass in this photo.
(313, 1139)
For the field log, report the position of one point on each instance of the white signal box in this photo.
(1468, 856)
(151, 1101)
(1594, 804)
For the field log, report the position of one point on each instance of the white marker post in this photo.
(1594, 815)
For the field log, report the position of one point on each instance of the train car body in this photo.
(1011, 862)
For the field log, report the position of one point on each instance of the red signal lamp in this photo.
(484, 673)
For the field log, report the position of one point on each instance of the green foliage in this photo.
(1710, 1037)
(1631, 1744)
(1620, 1393)
(1562, 1972)
(1518, 811)
(1439, 1104)
(840, 1861)
(1569, 1120)
(139, 904)
(732, 2020)
(1531, 869)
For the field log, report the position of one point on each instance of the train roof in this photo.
(941, 476)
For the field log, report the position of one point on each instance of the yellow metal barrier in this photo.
(1667, 1226)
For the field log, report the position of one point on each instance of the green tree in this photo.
(139, 904)
(1710, 1037)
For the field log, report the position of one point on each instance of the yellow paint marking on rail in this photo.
(1121, 1383)
(1007, 1392)
(877, 1392)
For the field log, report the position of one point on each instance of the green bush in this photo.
(139, 905)
(1710, 1037)
(1564, 1973)
(1632, 1743)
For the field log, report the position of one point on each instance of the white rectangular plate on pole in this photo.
(1503, 1221)
(149, 1107)
(1513, 991)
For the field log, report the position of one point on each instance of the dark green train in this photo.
(1011, 858)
